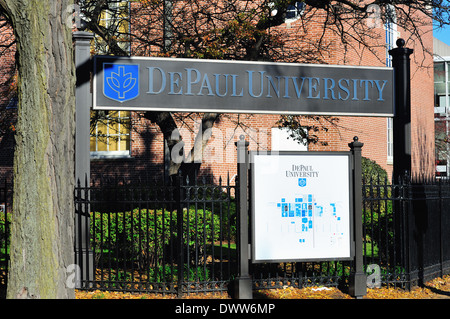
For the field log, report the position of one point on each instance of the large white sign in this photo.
(301, 206)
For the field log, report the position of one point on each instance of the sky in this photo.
(443, 35)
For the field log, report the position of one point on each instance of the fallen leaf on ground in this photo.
(438, 288)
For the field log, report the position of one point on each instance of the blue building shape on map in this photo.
(302, 208)
(304, 212)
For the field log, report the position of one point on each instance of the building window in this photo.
(391, 37)
(391, 32)
(441, 87)
(116, 21)
(390, 141)
(110, 134)
(441, 114)
(294, 11)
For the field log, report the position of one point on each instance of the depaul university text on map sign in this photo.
(190, 85)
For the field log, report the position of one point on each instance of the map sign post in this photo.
(357, 286)
(306, 206)
(84, 257)
(243, 282)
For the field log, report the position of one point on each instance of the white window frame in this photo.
(390, 141)
(392, 35)
(391, 32)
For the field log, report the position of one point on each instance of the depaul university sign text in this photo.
(190, 85)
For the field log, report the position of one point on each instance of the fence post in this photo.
(243, 283)
(83, 101)
(401, 224)
(358, 280)
(180, 232)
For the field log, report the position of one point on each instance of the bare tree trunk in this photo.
(42, 226)
(194, 158)
(189, 162)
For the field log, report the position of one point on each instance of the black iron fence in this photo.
(5, 222)
(160, 237)
(427, 229)
(180, 237)
(406, 230)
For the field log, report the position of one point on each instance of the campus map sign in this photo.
(192, 85)
(301, 206)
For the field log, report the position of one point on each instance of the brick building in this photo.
(138, 150)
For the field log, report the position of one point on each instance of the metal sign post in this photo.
(83, 102)
(358, 279)
(402, 110)
(243, 283)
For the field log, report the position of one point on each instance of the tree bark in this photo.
(189, 163)
(42, 227)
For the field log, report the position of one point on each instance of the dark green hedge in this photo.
(141, 230)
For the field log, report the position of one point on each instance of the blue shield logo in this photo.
(302, 182)
(120, 81)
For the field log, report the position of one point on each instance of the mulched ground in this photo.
(438, 288)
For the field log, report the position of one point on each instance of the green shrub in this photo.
(127, 233)
(168, 273)
(144, 234)
(371, 171)
(378, 210)
(5, 222)
(222, 204)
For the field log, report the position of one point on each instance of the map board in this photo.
(301, 206)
